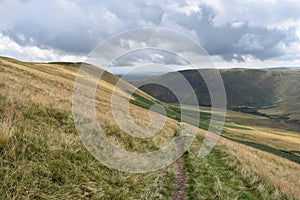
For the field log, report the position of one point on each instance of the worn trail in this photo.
(180, 182)
(181, 178)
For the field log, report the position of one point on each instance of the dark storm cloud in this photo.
(229, 41)
(78, 26)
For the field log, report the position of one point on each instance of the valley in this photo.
(42, 156)
(269, 93)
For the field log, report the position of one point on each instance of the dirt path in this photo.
(180, 182)
(181, 178)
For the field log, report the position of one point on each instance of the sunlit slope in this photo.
(41, 155)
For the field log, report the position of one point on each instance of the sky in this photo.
(235, 33)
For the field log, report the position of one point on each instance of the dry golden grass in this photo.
(8, 120)
(278, 172)
(257, 166)
(6, 132)
(278, 139)
(52, 84)
(49, 83)
(45, 158)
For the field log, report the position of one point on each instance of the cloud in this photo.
(231, 40)
(233, 30)
(147, 56)
(263, 13)
(9, 47)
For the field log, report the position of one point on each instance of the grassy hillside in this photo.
(250, 88)
(288, 109)
(42, 157)
(252, 150)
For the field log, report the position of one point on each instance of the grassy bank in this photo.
(41, 155)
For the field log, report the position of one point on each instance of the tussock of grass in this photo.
(8, 120)
(6, 132)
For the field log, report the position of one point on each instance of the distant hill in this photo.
(244, 87)
(135, 77)
(277, 68)
(282, 68)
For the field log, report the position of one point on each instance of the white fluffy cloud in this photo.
(8, 47)
(266, 13)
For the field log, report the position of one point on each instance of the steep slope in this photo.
(271, 93)
(41, 155)
(244, 87)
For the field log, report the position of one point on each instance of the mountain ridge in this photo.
(252, 87)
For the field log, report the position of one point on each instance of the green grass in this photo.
(174, 112)
(217, 176)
